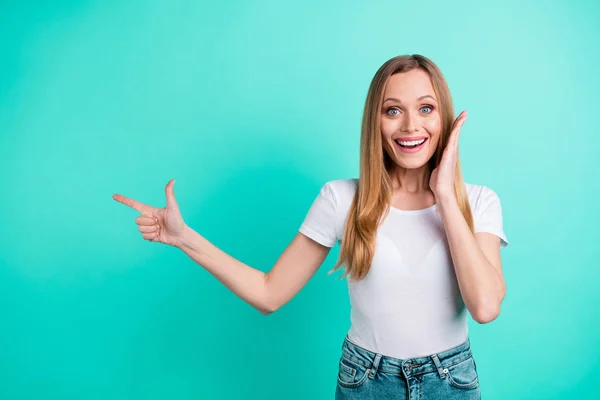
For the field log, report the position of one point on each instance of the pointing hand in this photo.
(164, 225)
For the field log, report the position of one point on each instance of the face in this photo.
(410, 119)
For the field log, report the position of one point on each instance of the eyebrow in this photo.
(420, 98)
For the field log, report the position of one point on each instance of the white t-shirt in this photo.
(409, 304)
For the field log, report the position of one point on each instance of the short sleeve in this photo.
(320, 222)
(488, 216)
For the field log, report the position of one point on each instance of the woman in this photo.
(420, 246)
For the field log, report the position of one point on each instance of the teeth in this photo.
(412, 143)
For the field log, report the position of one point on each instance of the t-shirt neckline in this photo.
(413, 212)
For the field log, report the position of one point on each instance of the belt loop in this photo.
(344, 342)
(441, 371)
(375, 366)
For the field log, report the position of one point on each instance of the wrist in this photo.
(445, 199)
(185, 239)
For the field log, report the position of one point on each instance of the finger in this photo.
(454, 137)
(458, 131)
(455, 122)
(456, 141)
(453, 141)
(136, 205)
(144, 220)
(459, 120)
(458, 123)
(450, 149)
(148, 229)
(446, 156)
(150, 236)
(170, 193)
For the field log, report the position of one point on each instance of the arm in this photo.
(265, 292)
(477, 264)
(476, 258)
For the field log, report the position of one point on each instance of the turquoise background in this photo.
(251, 106)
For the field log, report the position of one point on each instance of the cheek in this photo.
(433, 125)
(388, 127)
(434, 129)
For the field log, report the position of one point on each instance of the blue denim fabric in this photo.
(448, 375)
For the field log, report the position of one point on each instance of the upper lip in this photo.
(410, 138)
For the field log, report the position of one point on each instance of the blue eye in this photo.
(394, 108)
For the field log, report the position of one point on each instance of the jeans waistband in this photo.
(411, 366)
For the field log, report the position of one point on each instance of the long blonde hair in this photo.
(374, 190)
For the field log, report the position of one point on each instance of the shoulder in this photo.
(481, 196)
(342, 190)
(475, 191)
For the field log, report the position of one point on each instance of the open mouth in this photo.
(411, 146)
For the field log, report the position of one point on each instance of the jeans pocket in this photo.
(463, 375)
(351, 374)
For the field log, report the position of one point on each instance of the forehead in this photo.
(409, 85)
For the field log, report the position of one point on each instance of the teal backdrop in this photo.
(251, 106)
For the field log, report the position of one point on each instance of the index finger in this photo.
(136, 205)
(458, 123)
(459, 120)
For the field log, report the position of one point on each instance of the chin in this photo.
(412, 164)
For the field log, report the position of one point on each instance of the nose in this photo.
(408, 123)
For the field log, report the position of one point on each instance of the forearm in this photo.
(481, 287)
(246, 282)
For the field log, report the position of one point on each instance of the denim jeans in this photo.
(448, 375)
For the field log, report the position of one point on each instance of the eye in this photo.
(430, 107)
(391, 109)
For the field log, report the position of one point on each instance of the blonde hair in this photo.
(374, 189)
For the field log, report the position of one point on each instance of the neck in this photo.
(412, 181)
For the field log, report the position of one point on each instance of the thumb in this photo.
(171, 202)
